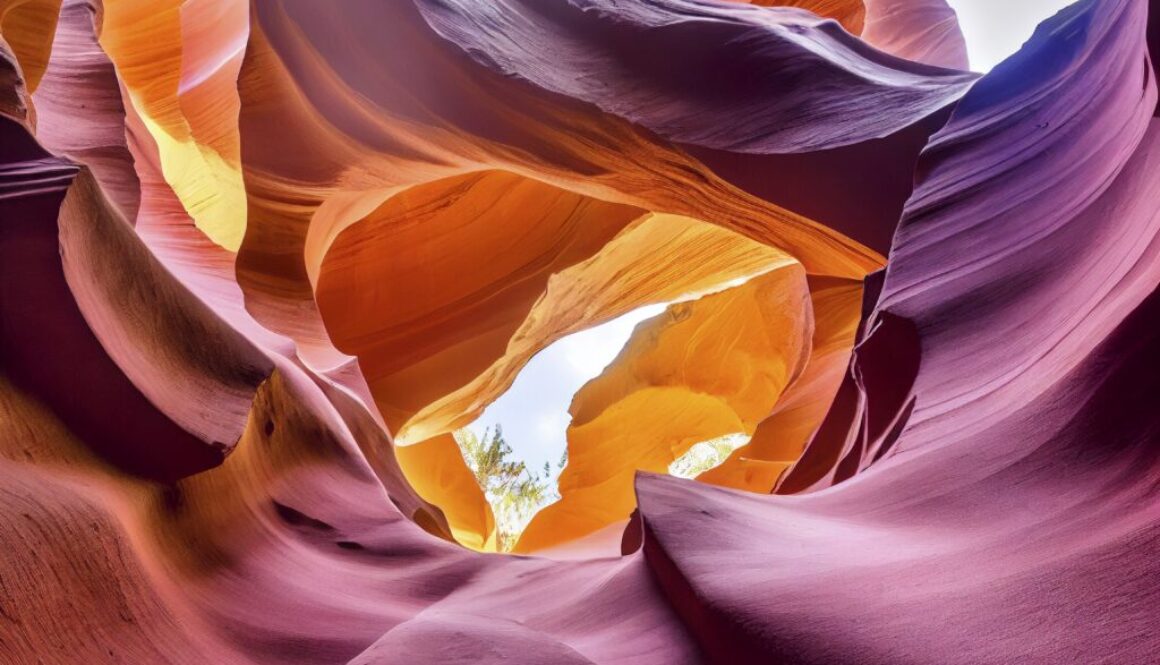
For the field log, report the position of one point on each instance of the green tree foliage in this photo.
(706, 455)
(514, 492)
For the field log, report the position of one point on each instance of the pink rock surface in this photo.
(192, 473)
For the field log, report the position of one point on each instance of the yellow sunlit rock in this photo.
(658, 258)
(435, 468)
(28, 27)
(779, 439)
(703, 369)
(481, 249)
(185, 92)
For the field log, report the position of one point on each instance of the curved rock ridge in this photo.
(396, 127)
(687, 258)
(1074, 99)
(1016, 463)
(713, 75)
(425, 322)
(178, 64)
(857, 189)
(27, 28)
(850, 13)
(90, 318)
(701, 370)
(778, 441)
(80, 82)
(925, 31)
(243, 246)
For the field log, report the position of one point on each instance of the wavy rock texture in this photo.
(686, 258)
(990, 470)
(431, 318)
(850, 14)
(858, 189)
(701, 370)
(924, 31)
(178, 62)
(27, 28)
(243, 246)
(733, 79)
(80, 82)
(778, 440)
(970, 167)
(398, 126)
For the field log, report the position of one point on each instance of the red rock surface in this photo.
(243, 246)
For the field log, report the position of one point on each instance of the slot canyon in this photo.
(264, 263)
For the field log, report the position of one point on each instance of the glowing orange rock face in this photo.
(179, 63)
(403, 131)
(435, 468)
(779, 439)
(683, 257)
(423, 325)
(443, 329)
(481, 250)
(28, 26)
(701, 370)
(243, 245)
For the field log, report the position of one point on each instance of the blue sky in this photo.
(534, 411)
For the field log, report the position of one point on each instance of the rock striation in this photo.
(259, 260)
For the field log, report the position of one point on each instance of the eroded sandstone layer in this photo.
(259, 260)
